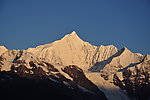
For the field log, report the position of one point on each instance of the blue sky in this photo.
(29, 23)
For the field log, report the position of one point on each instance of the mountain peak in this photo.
(73, 36)
(126, 49)
(2, 49)
(73, 33)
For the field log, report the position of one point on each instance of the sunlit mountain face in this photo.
(72, 69)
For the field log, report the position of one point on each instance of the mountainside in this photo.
(72, 50)
(71, 68)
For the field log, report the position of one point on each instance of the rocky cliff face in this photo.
(101, 72)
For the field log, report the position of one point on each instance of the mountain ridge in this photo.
(102, 67)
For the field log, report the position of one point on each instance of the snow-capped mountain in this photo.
(71, 68)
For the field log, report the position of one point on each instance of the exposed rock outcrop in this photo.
(79, 78)
(135, 80)
(35, 79)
